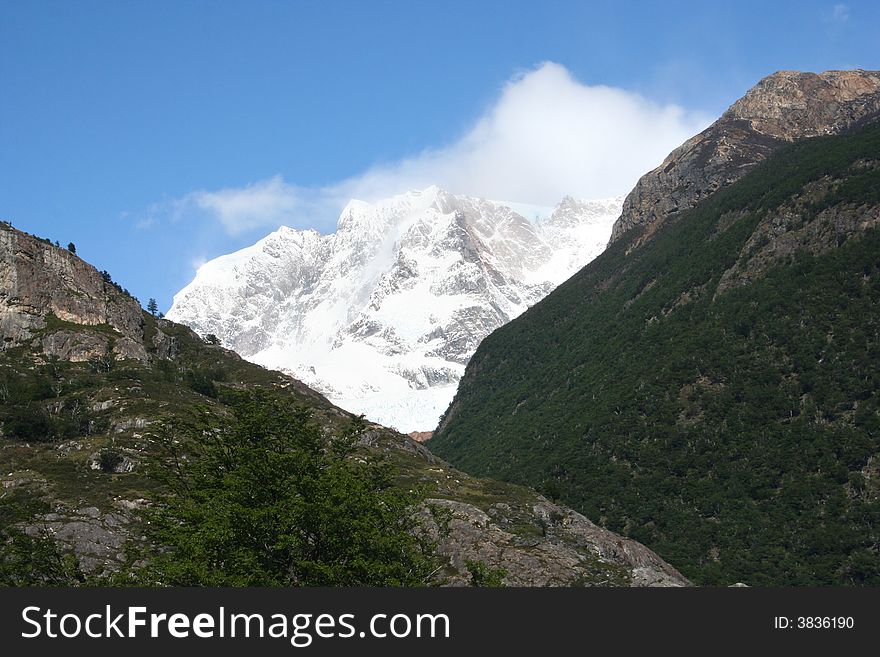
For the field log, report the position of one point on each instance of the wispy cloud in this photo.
(197, 262)
(839, 14)
(145, 222)
(547, 135)
(269, 201)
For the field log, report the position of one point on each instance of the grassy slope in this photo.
(131, 391)
(735, 434)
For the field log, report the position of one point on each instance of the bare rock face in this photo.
(781, 108)
(97, 539)
(75, 346)
(167, 347)
(792, 105)
(39, 280)
(567, 550)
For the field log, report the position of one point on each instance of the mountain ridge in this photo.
(781, 108)
(383, 314)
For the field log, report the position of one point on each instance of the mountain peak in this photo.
(358, 214)
(792, 105)
(382, 315)
(783, 107)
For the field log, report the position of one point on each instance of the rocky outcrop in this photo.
(47, 289)
(781, 108)
(545, 545)
(794, 228)
(75, 346)
(97, 539)
(167, 346)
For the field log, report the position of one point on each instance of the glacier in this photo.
(382, 315)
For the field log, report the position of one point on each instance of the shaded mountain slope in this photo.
(713, 393)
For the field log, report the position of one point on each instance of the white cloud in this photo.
(143, 223)
(840, 13)
(547, 135)
(265, 203)
(238, 209)
(197, 262)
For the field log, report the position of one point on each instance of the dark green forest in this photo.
(734, 431)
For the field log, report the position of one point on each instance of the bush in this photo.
(110, 460)
(29, 422)
(271, 500)
(483, 576)
(201, 383)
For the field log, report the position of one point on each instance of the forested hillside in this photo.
(713, 391)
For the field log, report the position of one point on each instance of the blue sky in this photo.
(158, 134)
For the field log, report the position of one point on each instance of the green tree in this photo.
(71, 247)
(27, 560)
(271, 500)
(32, 557)
(482, 576)
(201, 382)
(152, 307)
(29, 421)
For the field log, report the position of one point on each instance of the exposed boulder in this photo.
(546, 545)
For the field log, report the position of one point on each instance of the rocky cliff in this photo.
(781, 108)
(43, 288)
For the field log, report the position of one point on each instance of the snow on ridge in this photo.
(382, 315)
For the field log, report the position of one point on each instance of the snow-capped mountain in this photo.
(382, 315)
